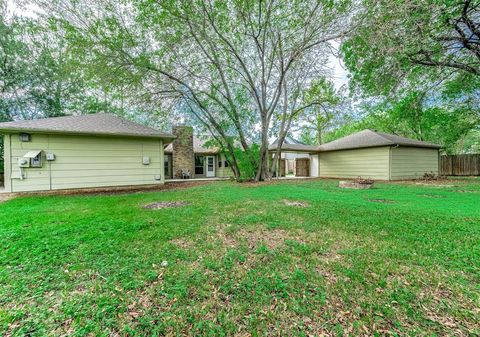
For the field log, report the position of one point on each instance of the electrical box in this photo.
(50, 157)
(146, 160)
(36, 161)
(23, 162)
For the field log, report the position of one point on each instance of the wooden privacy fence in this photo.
(302, 167)
(460, 165)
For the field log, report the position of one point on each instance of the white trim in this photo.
(32, 154)
(7, 157)
(210, 174)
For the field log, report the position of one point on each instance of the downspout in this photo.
(10, 160)
(439, 168)
(49, 165)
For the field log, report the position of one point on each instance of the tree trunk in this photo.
(284, 126)
(262, 171)
(235, 170)
(233, 162)
(319, 129)
(278, 153)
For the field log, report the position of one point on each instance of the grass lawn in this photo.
(286, 258)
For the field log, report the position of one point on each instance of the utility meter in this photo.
(23, 162)
(146, 160)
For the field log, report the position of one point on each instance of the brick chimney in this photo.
(183, 157)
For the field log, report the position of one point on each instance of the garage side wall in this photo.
(87, 162)
(412, 162)
(366, 163)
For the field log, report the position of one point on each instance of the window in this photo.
(199, 164)
(225, 164)
(219, 163)
(168, 165)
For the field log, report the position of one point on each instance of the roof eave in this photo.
(429, 146)
(206, 152)
(295, 150)
(357, 148)
(87, 133)
(432, 146)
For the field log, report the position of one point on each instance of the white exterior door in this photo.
(314, 165)
(210, 166)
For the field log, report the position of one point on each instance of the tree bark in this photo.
(262, 170)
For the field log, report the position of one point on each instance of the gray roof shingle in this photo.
(294, 147)
(198, 147)
(291, 144)
(93, 124)
(369, 138)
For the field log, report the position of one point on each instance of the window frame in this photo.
(197, 166)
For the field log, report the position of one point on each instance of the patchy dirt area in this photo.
(445, 183)
(173, 186)
(436, 196)
(255, 237)
(166, 204)
(295, 203)
(382, 201)
(277, 181)
(466, 191)
(183, 243)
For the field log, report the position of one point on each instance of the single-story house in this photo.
(86, 151)
(189, 155)
(296, 159)
(367, 154)
(103, 150)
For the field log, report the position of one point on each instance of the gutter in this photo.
(86, 133)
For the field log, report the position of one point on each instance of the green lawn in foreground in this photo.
(242, 261)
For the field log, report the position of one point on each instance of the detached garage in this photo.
(86, 151)
(377, 155)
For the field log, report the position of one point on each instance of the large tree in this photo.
(421, 60)
(420, 116)
(313, 124)
(396, 42)
(236, 66)
(39, 75)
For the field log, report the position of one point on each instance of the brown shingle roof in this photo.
(294, 147)
(198, 147)
(94, 124)
(369, 138)
(291, 144)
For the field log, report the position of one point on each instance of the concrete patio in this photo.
(194, 179)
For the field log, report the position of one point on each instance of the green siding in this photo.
(222, 172)
(366, 163)
(412, 162)
(88, 162)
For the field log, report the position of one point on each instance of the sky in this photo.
(339, 73)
